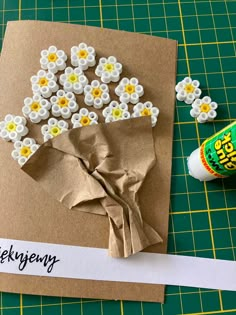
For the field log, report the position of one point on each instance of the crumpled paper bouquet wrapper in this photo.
(107, 163)
(104, 186)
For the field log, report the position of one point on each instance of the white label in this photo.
(64, 261)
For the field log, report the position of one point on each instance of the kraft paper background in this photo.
(27, 211)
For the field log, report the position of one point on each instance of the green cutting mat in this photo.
(202, 216)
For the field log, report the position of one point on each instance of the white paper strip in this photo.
(63, 261)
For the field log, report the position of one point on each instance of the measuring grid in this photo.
(202, 215)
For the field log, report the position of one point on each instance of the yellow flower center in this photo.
(85, 121)
(205, 108)
(130, 88)
(82, 54)
(189, 88)
(96, 92)
(117, 113)
(146, 112)
(25, 151)
(62, 102)
(55, 131)
(35, 106)
(72, 78)
(43, 82)
(11, 126)
(52, 57)
(108, 67)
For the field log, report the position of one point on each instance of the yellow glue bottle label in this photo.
(218, 153)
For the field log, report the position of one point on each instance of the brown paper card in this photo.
(30, 213)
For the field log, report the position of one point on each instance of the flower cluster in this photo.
(63, 104)
(36, 108)
(23, 150)
(204, 109)
(52, 59)
(129, 90)
(96, 94)
(116, 111)
(146, 109)
(73, 80)
(48, 99)
(13, 128)
(109, 69)
(53, 128)
(84, 118)
(188, 90)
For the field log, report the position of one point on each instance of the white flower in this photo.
(63, 104)
(188, 90)
(53, 128)
(44, 83)
(96, 94)
(23, 150)
(109, 69)
(115, 111)
(146, 109)
(73, 80)
(13, 128)
(204, 109)
(129, 90)
(53, 60)
(84, 118)
(36, 108)
(83, 56)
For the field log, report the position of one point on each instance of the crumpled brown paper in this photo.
(107, 162)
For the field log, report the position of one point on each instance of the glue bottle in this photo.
(216, 157)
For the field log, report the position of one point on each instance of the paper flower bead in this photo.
(53, 60)
(188, 90)
(44, 83)
(83, 56)
(109, 69)
(84, 118)
(129, 90)
(36, 108)
(96, 94)
(53, 128)
(73, 80)
(23, 150)
(13, 128)
(146, 109)
(115, 111)
(63, 104)
(204, 109)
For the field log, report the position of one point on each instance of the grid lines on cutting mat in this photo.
(202, 216)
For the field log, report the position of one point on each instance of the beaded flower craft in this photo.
(13, 128)
(188, 90)
(109, 69)
(204, 109)
(53, 128)
(116, 111)
(73, 80)
(83, 56)
(129, 91)
(96, 94)
(146, 109)
(36, 108)
(53, 60)
(84, 118)
(63, 104)
(23, 150)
